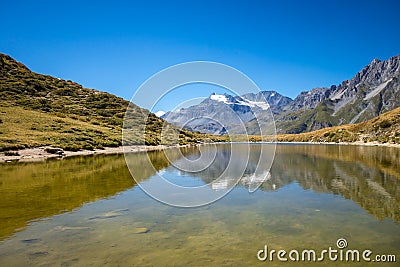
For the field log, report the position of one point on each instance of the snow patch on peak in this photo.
(240, 101)
(159, 113)
(220, 98)
(262, 105)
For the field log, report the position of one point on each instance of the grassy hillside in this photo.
(38, 110)
(21, 128)
(383, 129)
(307, 120)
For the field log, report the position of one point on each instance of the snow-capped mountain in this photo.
(219, 114)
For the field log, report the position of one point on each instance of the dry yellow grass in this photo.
(21, 128)
(383, 129)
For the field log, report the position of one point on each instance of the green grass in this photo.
(307, 120)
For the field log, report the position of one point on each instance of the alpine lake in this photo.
(89, 211)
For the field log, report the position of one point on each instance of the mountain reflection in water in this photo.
(368, 176)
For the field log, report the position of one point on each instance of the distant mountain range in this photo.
(372, 91)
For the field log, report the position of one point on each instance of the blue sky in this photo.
(114, 46)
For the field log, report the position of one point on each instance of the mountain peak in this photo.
(219, 98)
(7, 63)
(375, 61)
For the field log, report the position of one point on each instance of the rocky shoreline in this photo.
(44, 153)
(357, 143)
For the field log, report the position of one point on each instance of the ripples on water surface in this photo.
(89, 211)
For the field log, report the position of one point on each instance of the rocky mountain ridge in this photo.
(374, 90)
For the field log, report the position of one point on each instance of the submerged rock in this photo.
(110, 214)
(31, 240)
(38, 254)
(141, 230)
(67, 228)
